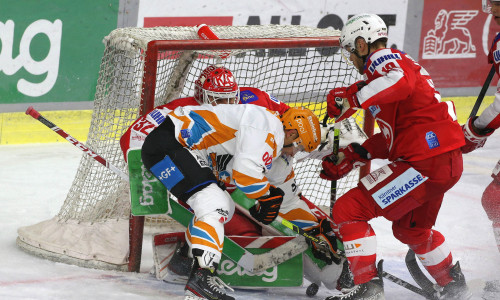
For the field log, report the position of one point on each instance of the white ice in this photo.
(35, 178)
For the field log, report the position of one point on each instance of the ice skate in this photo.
(203, 283)
(457, 289)
(371, 290)
(180, 265)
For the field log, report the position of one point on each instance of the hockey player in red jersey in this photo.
(478, 129)
(422, 139)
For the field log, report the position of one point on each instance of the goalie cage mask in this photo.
(216, 85)
(307, 125)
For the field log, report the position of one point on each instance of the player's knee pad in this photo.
(491, 201)
(214, 202)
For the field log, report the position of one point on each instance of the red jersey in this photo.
(490, 117)
(414, 123)
(137, 132)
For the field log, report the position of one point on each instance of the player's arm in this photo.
(478, 129)
(254, 156)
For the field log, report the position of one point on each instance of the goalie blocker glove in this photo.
(336, 167)
(267, 207)
(474, 137)
(324, 232)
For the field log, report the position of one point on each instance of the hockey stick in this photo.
(401, 282)
(335, 152)
(416, 272)
(36, 115)
(480, 97)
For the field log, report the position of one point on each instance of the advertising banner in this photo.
(51, 50)
(454, 42)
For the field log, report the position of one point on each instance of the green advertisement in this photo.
(51, 50)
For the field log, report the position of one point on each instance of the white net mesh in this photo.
(98, 197)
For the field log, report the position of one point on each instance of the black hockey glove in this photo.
(327, 250)
(267, 207)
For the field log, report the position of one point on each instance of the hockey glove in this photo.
(474, 137)
(341, 102)
(327, 250)
(352, 156)
(267, 207)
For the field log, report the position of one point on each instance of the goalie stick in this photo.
(249, 261)
(482, 93)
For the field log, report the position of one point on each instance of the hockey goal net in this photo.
(145, 67)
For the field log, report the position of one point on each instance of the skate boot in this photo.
(180, 264)
(203, 283)
(371, 290)
(457, 289)
(345, 281)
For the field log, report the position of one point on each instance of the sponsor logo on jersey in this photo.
(247, 97)
(496, 56)
(382, 59)
(432, 140)
(157, 116)
(167, 172)
(398, 188)
(375, 177)
(374, 110)
(273, 98)
(186, 133)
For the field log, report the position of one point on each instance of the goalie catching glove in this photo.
(474, 137)
(268, 207)
(327, 250)
(336, 167)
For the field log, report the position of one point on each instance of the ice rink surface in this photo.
(35, 178)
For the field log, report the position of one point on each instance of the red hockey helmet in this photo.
(216, 85)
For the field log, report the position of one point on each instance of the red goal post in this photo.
(146, 67)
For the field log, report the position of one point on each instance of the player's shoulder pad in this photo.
(378, 61)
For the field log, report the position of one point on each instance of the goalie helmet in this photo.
(216, 85)
(307, 125)
(368, 26)
(487, 5)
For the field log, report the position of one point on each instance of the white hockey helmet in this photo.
(368, 26)
(487, 5)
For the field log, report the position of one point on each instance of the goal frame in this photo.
(136, 223)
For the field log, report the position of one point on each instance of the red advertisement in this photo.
(454, 42)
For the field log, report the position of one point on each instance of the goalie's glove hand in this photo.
(327, 249)
(342, 102)
(267, 207)
(336, 167)
(474, 137)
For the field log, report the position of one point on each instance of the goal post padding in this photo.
(145, 67)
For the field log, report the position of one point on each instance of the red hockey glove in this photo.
(352, 156)
(337, 106)
(327, 250)
(267, 207)
(474, 137)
